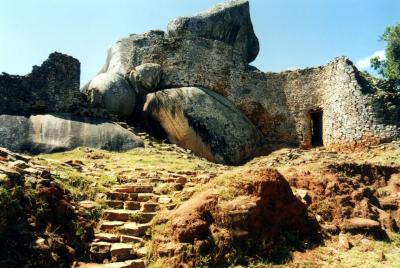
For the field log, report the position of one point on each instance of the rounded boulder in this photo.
(204, 122)
(113, 92)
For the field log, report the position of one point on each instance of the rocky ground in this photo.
(160, 205)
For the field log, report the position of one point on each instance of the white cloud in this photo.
(365, 63)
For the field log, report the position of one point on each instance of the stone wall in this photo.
(213, 49)
(185, 61)
(280, 104)
(51, 87)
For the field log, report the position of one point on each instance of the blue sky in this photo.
(292, 33)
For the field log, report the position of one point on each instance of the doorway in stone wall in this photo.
(316, 128)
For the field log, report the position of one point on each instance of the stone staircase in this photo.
(124, 227)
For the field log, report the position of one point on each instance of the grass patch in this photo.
(79, 185)
(102, 169)
(153, 158)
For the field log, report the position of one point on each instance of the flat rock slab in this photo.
(110, 225)
(360, 224)
(107, 237)
(164, 199)
(131, 239)
(134, 229)
(133, 188)
(124, 264)
(60, 132)
(121, 251)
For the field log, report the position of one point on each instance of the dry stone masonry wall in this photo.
(51, 87)
(184, 61)
(280, 104)
(212, 50)
(331, 105)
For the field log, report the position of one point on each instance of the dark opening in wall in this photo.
(316, 128)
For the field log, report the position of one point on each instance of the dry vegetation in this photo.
(86, 173)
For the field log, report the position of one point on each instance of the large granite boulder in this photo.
(228, 22)
(147, 76)
(197, 51)
(51, 87)
(185, 61)
(204, 122)
(59, 132)
(113, 92)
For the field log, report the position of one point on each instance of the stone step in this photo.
(149, 207)
(144, 217)
(180, 180)
(114, 203)
(143, 181)
(118, 214)
(122, 251)
(122, 196)
(125, 264)
(110, 225)
(155, 180)
(133, 188)
(144, 197)
(164, 199)
(107, 237)
(127, 215)
(99, 251)
(134, 229)
(132, 205)
(131, 239)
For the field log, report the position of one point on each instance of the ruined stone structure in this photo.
(327, 105)
(43, 112)
(51, 87)
(330, 105)
(284, 106)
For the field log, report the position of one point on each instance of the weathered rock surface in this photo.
(262, 207)
(185, 61)
(228, 22)
(360, 225)
(112, 92)
(33, 190)
(213, 49)
(51, 87)
(204, 122)
(147, 75)
(58, 132)
(281, 104)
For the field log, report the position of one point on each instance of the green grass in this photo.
(80, 186)
(110, 167)
(361, 255)
(368, 255)
(149, 159)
